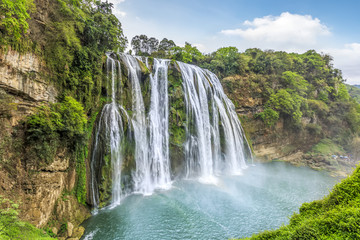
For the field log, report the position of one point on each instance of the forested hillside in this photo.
(354, 91)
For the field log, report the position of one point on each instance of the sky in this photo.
(327, 26)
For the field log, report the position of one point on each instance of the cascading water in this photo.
(159, 125)
(205, 102)
(214, 142)
(142, 175)
(109, 135)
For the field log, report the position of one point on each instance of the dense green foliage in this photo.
(12, 228)
(80, 35)
(337, 216)
(13, 21)
(61, 122)
(286, 81)
(73, 43)
(60, 125)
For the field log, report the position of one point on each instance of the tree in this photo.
(287, 103)
(138, 44)
(144, 46)
(166, 45)
(227, 61)
(153, 44)
(342, 93)
(164, 48)
(269, 116)
(187, 54)
(295, 82)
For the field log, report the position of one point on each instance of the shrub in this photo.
(73, 117)
(13, 23)
(62, 122)
(269, 116)
(10, 225)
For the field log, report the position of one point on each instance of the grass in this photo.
(326, 147)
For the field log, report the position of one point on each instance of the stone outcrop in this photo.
(46, 189)
(22, 75)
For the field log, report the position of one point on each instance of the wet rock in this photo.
(78, 232)
(70, 228)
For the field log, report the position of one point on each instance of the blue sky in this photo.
(327, 26)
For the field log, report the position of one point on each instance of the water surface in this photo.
(262, 198)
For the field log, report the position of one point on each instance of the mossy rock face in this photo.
(105, 186)
(128, 164)
(177, 120)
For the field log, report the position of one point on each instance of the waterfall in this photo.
(142, 175)
(159, 125)
(108, 139)
(151, 154)
(206, 106)
(214, 141)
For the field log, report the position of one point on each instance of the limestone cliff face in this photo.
(22, 75)
(39, 189)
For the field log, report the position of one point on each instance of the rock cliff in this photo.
(40, 190)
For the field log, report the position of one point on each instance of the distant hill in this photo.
(354, 91)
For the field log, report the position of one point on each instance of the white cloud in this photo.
(116, 10)
(287, 31)
(348, 60)
(200, 47)
(118, 13)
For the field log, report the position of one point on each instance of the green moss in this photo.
(243, 120)
(11, 227)
(105, 185)
(177, 118)
(80, 167)
(327, 147)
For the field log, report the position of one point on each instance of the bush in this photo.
(269, 116)
(318, 106)
(62, 122)
(73, 118)
(10, 225)
(287, 103)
